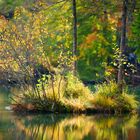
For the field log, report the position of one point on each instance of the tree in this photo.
(37, 38)
(74, 34)
(123, 42)
(135, 27)
(97, 22)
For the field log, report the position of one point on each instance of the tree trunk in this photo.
(131, 11)
(122, 44)
(74, 35)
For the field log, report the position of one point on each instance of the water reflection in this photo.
(6, 117)
(81, 127)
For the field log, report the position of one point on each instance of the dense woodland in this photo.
(71, 55)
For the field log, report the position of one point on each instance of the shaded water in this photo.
(65, 127)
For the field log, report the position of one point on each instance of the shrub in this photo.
(57, 93)
(107, 89)
(126, 102)
(108, 98)
(75, 88)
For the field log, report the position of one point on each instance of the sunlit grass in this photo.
(62, 95)
(108, 98)
(72, 95)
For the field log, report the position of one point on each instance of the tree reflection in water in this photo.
(59, 127)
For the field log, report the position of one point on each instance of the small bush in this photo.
(108, 98)
(75, 88)
(126, 102)
(107, 89)
(58, 94)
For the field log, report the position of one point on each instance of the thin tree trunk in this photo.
(122, 44)
(131, 11)
(74, 35)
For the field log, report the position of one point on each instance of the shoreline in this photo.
(89, 111)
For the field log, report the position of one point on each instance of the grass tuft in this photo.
(108, 98)
(71, 95)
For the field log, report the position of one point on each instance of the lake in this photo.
(65, 126)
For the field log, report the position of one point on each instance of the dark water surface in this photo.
(65, 127)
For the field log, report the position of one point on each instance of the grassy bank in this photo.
(68, 94)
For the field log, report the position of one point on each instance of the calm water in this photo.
(65, 127)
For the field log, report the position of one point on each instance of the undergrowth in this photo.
(108, 98)
(69, 94)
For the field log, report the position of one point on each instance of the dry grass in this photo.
(71, 95)
(107, 98)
